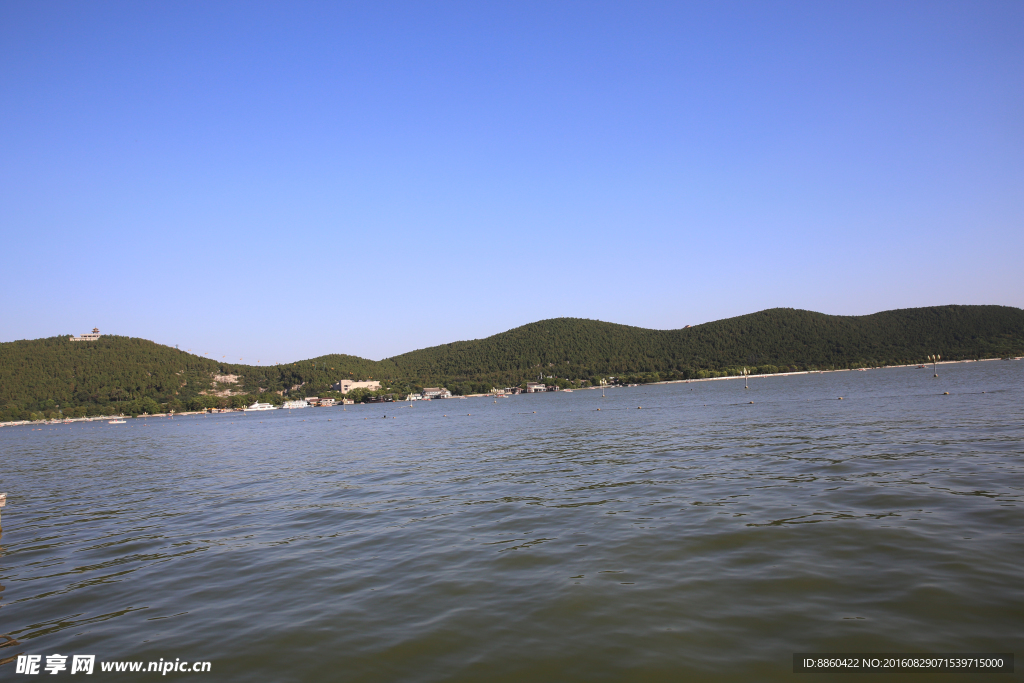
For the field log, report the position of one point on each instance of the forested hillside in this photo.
(55, 376)
(41, 374)
(769, 341)
(123, 374)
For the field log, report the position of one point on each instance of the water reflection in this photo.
(6, 640)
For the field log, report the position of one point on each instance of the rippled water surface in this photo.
(535, 538)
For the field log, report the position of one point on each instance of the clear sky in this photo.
(276, 181)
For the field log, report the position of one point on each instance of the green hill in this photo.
(771, 341)
(127, 375)
(123, 374)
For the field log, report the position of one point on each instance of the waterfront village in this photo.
(225, 400)
(224, 397)
(428, 394)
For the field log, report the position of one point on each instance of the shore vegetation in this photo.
(54, 377)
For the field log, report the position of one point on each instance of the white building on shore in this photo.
(347, 385)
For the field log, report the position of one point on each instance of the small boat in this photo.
(116, 422)
(259, 406)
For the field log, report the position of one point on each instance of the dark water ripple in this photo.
(700, 536)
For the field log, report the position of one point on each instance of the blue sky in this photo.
(276, 181)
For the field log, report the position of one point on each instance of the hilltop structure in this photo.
(118, 374)
(93, 336)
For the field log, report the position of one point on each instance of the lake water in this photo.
(701, 537)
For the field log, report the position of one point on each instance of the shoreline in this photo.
(107, 418)
(772, 374)
(823, 372)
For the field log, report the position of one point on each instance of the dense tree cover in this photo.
(118, 374)
(123, 374)
(770, 341)
(50, 377)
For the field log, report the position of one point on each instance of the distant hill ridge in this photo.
(125, 374)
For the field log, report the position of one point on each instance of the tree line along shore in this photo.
(113, 375)
(366, 396)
